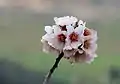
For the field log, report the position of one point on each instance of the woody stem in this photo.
(48, 76)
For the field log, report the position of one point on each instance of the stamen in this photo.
(86, 32)
(61, 37)
(73, 37)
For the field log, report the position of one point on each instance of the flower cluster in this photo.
(71, 36)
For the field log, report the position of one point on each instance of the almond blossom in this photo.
(54, 37)
(70, 36)
(71, 39)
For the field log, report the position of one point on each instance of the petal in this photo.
(70, 29)
(92, 36)
(80, 22)
(78, 57)
(63, 20)
(54, 42)
(91, 49)
(68, 53)
(48, 49)
(79, 30)
(76, 44)
(89, 60)
(56, 29)
(73, 19)
(49, 29)
(56, 20)
(67, 44)
(46, 37)
(90, 57)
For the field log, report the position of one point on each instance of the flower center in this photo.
(86, 32)
(73, 37)
(63, 28)
(86, 44)
(61, 37)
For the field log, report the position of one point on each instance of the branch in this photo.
(53, 68)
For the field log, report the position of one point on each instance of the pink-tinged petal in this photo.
(67, 44)
(67, 47)
(57, 30)
(48, 29)
(94, 36)
(48, 49)
(90, 34)
(83, 57)
(78, 57)
(68, 53)
(63, 21)
(54, 42)
(46, 37)
(76, 44)
(91, 49)
(90, 57)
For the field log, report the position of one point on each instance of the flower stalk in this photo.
(48, 76)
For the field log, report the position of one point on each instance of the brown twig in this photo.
(53, 68)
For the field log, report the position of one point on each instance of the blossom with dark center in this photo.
(70, 36)
(55, 37)
(74, 37)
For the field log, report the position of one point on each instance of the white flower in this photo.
(66, 20)
(70, 36)
(90, 34)
(74, 37)
(55, 37)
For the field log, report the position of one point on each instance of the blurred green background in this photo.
(22, 25)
